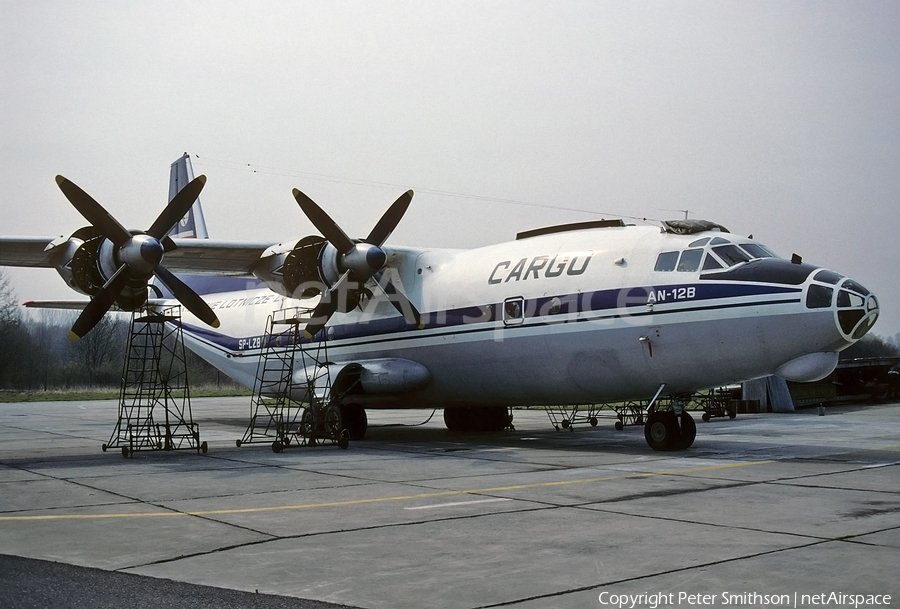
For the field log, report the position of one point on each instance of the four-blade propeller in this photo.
(137, 255)
(357, 260)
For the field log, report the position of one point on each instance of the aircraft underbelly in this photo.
(585, 365)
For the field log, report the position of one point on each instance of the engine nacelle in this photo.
(65, 250)
(293, 269)
(87, 260)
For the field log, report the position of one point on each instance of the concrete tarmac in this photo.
(761, 506)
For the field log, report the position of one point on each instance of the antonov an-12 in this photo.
(581, 313)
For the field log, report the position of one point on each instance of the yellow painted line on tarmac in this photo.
(309, 506)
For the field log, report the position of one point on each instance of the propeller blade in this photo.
(99, 304)
(177, 208)
(94, 213)
(328, 304)
(390, 219)
(321, 314)
(187, 296)
(323, 222)
(399, 300)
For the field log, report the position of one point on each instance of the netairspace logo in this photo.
(655, 600)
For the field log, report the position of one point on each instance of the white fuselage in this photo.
(573, 317)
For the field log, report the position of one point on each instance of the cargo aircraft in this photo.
(581, 313)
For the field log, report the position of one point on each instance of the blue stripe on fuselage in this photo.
(600, 302)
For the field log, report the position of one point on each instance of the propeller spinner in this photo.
(138, 255)
(357, 260)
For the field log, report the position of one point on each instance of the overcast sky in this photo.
(780, 119)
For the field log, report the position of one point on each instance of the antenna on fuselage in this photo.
(686, 212)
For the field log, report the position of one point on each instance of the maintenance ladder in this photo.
(154, 401)
(291, 403)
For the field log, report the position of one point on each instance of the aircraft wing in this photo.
(215, 256)
(26, 251)
(66, 305)
(195, 256)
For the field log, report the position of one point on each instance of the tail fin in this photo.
(193, 224)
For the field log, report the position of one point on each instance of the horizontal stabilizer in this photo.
(69, 305)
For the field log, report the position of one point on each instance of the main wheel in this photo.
(355, 420)
(687, 433)
(456, 419)
(481, 419)
(661, 430)
(334, 423)
(307, 423)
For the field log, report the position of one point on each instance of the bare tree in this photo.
(9, 307)
(10, 339)
(103, 344)
(51, 349)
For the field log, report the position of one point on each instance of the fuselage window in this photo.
(513, 311)
(666, 261)
(731, 254)
(690, 261)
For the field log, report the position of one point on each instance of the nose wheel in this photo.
(666, 431)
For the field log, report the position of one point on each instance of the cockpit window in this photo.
(711, 264)
(852, 285)
(720, 253)
(758, 251)
(731, 254)
(666, 261)
(690, 261)
(849, 299)
(826, 276)
(819, 297)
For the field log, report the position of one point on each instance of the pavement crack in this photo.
(643, 577)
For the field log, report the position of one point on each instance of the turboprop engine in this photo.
(292, 269)
(334, 265)
(87, 261)
(114, 265)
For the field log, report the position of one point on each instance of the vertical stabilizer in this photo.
(193, 224)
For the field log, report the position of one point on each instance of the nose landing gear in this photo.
(670, 429)
(663, 430)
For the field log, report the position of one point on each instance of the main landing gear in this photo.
(670, 429)
(465, 419)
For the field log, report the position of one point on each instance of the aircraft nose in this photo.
(857, 309)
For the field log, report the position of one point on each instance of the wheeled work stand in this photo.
(155, 401)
